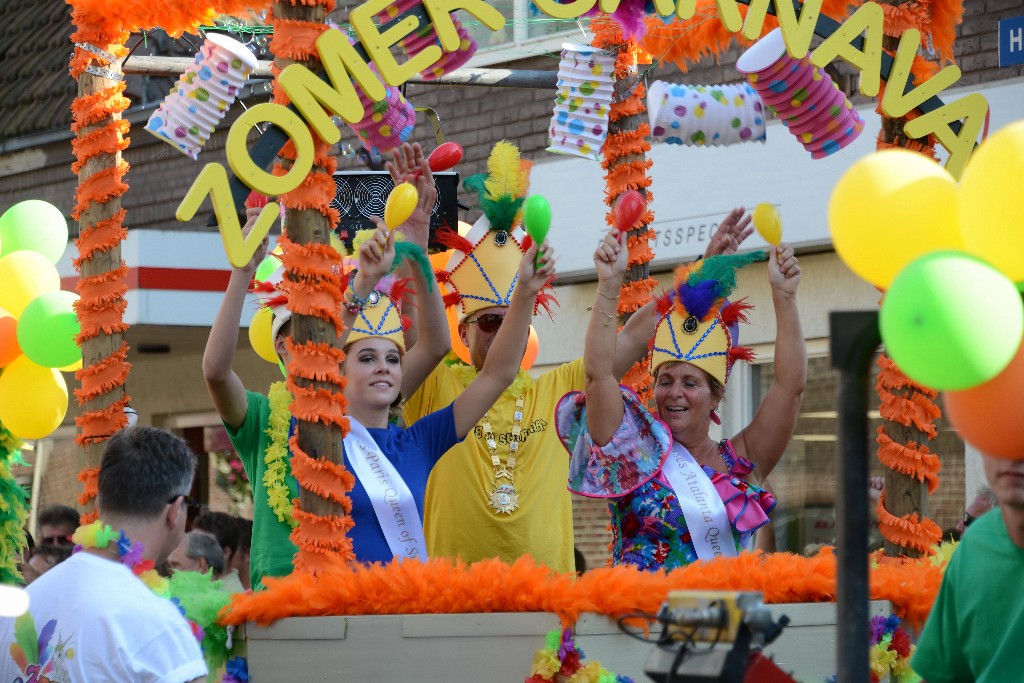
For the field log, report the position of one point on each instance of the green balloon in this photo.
(267, 267)
(47, 329)
(537, 217)
(951, 321)
(34, 225)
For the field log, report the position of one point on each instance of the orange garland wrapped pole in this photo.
(626, 168)
(908, 410)
(314, 297)
(99, 140)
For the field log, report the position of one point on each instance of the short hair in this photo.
(142, 469)
(222, 526)
(202, 544)
(244, 532)
(59, 515)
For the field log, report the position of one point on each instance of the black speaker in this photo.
(362, 194)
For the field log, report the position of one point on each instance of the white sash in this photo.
(392, 500)
(703, 509)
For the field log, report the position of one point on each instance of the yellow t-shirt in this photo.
(458, 519)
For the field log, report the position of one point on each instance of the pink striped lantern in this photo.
(804, 97)
(426, 36)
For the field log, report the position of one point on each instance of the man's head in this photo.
(145, 478)
(198, 551)
(240, 561)
(282, 329)
(1006, 477)
(222, 527)
(56, 524)
(478, 331)
(983, 501)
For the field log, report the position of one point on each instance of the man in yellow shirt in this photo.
(502, 491)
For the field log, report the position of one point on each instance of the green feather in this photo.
(25, 635)
(722, 268)
(414, 254)
(475, 184)
(202, 599)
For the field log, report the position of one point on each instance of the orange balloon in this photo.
(988, 416)
(9, 348)
(532, 349)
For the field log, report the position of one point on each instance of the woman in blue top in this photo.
(677, 495)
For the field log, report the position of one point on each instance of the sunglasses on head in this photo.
(187, 502)
(488, 322)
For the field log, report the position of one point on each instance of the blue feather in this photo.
(44, 641)
(699, 298)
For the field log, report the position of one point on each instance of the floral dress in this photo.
(648, 527)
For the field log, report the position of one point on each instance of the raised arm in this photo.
(225, 387)
(376, 256)
(730, 234)
(506, 352)
(766, 437)
(604, 402)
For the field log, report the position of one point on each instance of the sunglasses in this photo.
(489, 322)
(188, 502)
(968, 518)
(57, 540)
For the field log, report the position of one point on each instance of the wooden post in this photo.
(309, 226)
(904, 494)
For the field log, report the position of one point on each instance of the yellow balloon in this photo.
(74, 367)
(401, 203)
(261, 335)
(33, 399)
(24, 275)
(888, 209)
(768, 223)
(991, 221)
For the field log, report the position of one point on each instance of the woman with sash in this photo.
(676, 494)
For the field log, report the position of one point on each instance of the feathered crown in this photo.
(696, 318)
(482, 269)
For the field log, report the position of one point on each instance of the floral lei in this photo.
(279, 496)
(465, 374)
(100, 535)
(891, 651)
(561, 657)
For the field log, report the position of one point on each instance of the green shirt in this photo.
(272, 549)
(976, 626)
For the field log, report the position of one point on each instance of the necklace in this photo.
(100, 535)
(503, 497)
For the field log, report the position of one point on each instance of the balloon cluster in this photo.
(38, 324)
(951, 261)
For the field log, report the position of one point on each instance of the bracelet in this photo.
(354, 303)
(608, 316)
(610, 298)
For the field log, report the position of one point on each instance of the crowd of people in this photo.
(470, 460)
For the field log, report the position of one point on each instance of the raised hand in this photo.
(532, 279)
(612, 257)
(783, 270)
(377, 254)
(409, 164)
(730, 234)
(251, 214)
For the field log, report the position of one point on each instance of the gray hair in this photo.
(204, 545)
(142, 469)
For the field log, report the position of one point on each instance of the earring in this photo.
(715, 418)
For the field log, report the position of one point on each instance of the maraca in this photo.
(445, 157)
(401, 203)
(628, 209)
(768, 223)
(537, 219)
(256, 200)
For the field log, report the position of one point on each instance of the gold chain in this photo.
(503, 497)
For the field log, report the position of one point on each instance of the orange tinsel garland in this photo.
(173, 16)
(313, 288)
(443, 586)
(907, 531)
(624, 172)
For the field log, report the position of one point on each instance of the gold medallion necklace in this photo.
(503, 497)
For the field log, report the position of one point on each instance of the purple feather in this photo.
(44, 640)
(699, 298)
(630, 15)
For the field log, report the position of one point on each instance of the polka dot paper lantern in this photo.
(705, 115)
(202, 96)
(579, 124)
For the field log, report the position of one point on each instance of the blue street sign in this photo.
(1011, 41)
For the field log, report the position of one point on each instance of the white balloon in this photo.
(13, 601)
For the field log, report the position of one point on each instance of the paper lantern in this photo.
(385, 124)
(579, 123)
(202, 96)
(804, 97)
(702, 115)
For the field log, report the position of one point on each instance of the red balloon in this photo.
(445, 157)
(628, 209)
(9, 349)
(988, 416)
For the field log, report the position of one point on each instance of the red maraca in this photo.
(445, 157)
(256, 200)
(628, 209)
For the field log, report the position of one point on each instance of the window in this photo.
(527, 32)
